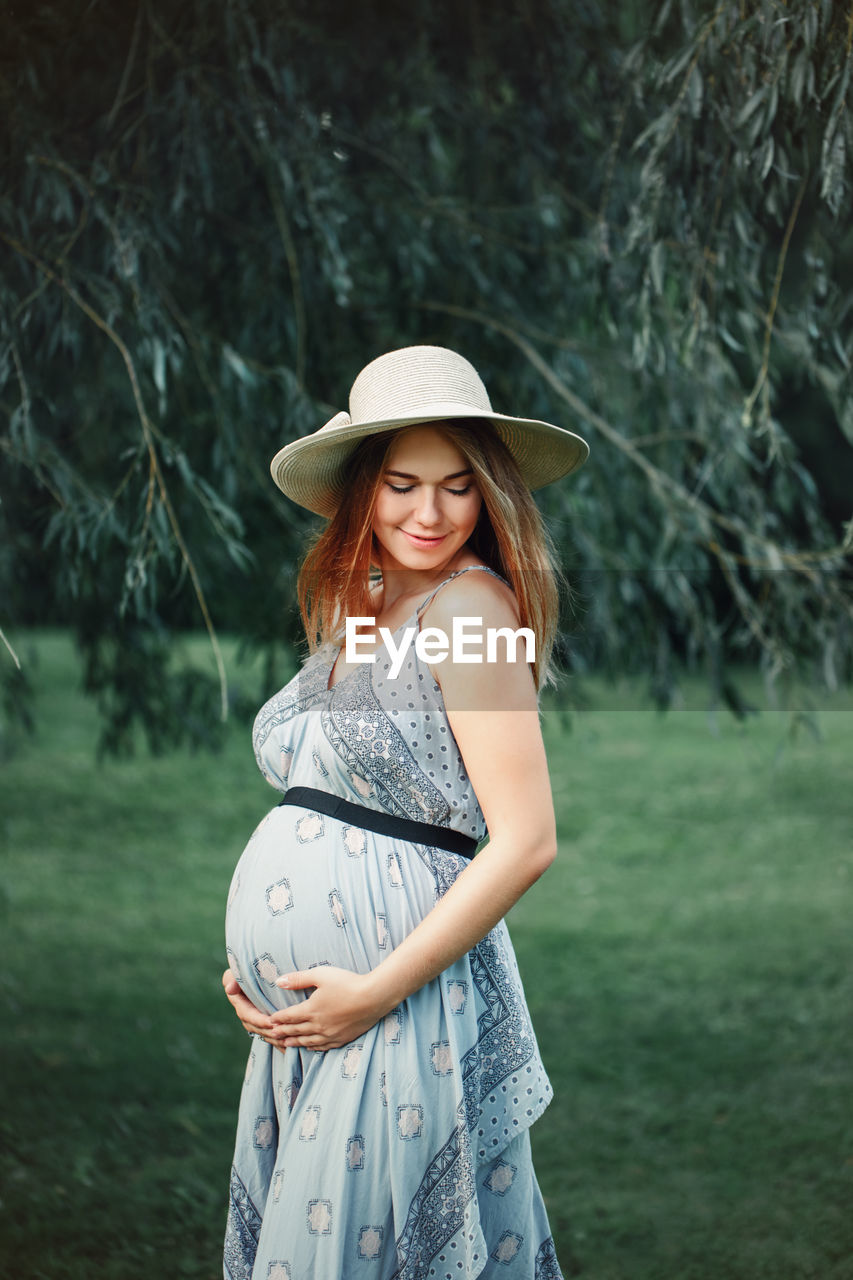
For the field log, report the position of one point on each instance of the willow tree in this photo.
(213, 215)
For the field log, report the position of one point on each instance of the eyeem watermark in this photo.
(467, 643)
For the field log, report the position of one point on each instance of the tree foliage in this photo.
(212, 215)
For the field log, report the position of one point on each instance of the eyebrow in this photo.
(454, 475)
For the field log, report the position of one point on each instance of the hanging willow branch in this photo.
(660, 480)
(749, 403)
(231, 199)
(155, 471)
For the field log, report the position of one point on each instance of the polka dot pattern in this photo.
(424, 1121)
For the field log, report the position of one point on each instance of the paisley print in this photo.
(404, 1155)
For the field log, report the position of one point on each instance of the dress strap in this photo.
(456, 574)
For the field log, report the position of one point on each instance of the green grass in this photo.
(687, 961)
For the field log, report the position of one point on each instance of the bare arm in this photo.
(492, 712)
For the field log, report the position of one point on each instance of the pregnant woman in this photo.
(394, 1074)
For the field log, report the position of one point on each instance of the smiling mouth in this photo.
(421, 541)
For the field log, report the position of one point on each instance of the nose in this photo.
(427, 511)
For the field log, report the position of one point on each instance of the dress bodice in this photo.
(379, 741)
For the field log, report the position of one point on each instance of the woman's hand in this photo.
(251, 1018)
(340, 1009)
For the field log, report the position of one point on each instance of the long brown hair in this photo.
(509, 537)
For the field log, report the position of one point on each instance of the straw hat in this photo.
(403, 389)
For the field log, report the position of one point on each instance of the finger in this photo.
(297, 981)
(244, 1004)
(289, 1012)
(244, 1008)
(293, 1013)
(307, 1042)
(251, 1018)
(304, 1011)
(270, 1040)
(261, 1035)
(296, 1029)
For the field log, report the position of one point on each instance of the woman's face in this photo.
(428, 501)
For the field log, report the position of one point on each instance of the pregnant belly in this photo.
(311, 890)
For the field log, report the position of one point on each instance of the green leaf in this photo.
(695, 87)
(750, 106)
(766, 154)
(238, 365)
(656, 261)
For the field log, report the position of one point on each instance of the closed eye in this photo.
(407, 488)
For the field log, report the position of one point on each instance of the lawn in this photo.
(687, 961)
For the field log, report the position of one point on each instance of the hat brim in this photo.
(311, 471)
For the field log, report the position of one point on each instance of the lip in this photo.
(425, 544)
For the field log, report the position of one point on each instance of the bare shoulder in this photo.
(473, 593)
(487, 666)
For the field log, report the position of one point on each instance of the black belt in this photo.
(385, 824)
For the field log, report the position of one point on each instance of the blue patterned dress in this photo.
(404, 1155)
